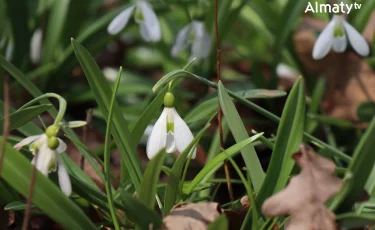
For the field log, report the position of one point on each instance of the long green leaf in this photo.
(353, 220)
(288, 139)
(361, 166)
(221, 223)
(21, 117)
(47, 196)
(171, 192)
(239, 132)
(103, 93)
(150, 180)
(218, 161)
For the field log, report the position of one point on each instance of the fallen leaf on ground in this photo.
(304, 197)
(190, 216)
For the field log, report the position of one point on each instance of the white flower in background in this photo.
(144, 16)
(36, 46)
(195, 35)
(170, 132)
(285, 71)
(336, 36)
(9, 51)
(46, 149)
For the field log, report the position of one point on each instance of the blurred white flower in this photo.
(335, 36)
(144, 16)
(170, 132)
(285, 71)
(48, 159)
(36, 46)
(110, 73)
(193, 34)
(9, 51)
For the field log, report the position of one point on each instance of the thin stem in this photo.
(6, 121)
(30, 195)
(219, 111)
(107, 156)
(84, 134)
(62, 105)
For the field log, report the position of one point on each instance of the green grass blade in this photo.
(239, 132)
(107, 154)
(361, 166)
(47, 196)
(361, 18)
(288, 139)
(134, 209)
(353, 220)
(55, 26)
(149, 182)
(218, 161)
(171, 192)
(221, 223)
(23, 116)
(103, 93)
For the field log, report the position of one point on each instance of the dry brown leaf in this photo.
(190, 216)
(304, 197)
(350, 79)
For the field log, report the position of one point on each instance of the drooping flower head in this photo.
(196, 36)
(170, 132)
(46, 149)
(144, 15)
(336, 36)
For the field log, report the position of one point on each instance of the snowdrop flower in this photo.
(36, 46)
(46, 149)
(144, 16)
(335, 36)
(195, 35)
(170, 132)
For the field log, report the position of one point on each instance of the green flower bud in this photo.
(53, 143)
(169, 100)
(52, 131)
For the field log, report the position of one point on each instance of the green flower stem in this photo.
(183, 73)
(62, 106)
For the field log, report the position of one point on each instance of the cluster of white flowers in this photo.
(194, 34)
(336, 36)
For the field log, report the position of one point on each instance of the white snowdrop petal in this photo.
(324, 42)
(36, 46)
(158, 136)
(9, 52)
(182, 40)
(26, 141)
(43, 159)
(150, 28)
(202, 42)
(120, 21)
(62, 146)
(339, 44)
(64, 179)
(358, 43)
(182, 134)
(170, 145)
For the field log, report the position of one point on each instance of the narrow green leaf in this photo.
(221, 223)
(134, 209)
(54, 29)
(171, 191)
(288, 139)
(21, 117)
(218, 161)
(353, 220)
(103, 93)
(316, 99)
(362, 17)
(47, 196)
(361, 166)
(150, 180)
(107, 154)
(366, 111)
(239, 133)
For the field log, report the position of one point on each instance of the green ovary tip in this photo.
(170, 127)
(169, 100)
